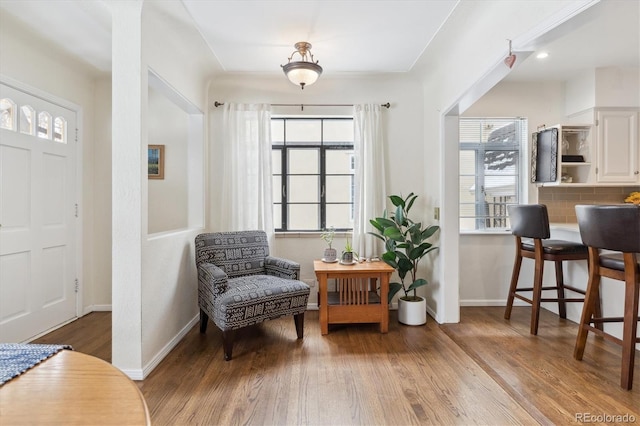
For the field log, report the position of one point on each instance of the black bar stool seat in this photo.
(556, 247)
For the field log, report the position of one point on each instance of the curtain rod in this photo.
(387, 105)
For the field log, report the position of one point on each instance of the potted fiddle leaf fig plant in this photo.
(406, 243)
(330, 254)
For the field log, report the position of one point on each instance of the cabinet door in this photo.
(617, 147)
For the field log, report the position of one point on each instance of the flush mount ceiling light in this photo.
(303, 72)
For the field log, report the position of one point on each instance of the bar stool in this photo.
(532, 221)
(615, 228)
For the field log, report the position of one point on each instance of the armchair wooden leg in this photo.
(227, 343)
(204, 318)
(299, 320)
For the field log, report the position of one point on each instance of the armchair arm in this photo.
(282, 268)
(212, 281)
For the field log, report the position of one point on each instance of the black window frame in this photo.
(323, 147)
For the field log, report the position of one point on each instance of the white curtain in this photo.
(247, 194)
(370, 193)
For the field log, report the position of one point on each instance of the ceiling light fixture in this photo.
(542, 55)
(511, 59)
(303, 72)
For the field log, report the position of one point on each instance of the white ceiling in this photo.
(348, 36)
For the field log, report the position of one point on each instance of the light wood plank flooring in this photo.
(484, 370)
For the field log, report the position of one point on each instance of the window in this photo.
(44, 125)
(60, 130)
(27, 120)
(313, 173)
(7, 114)
(45, 129)
(490, 170)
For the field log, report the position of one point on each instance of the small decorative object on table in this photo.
(347, 254)
(633, 198)
(330, 254)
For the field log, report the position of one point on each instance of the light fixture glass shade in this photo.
(303, 72)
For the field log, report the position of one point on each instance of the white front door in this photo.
(37, 215)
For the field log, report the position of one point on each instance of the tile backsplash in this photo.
(561, 200)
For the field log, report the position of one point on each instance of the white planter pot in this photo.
(412, 312)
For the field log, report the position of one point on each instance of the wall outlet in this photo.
(436, 213)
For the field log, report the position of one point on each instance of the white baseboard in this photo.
(133, 374)
(96, 308)
(141, 374)
(490, 302)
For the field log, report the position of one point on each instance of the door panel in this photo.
(37, 217)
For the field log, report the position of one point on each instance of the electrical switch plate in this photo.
(436, 213)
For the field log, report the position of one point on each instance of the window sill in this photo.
(496, 232)
(310, 234)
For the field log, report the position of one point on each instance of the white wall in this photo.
(403, 133)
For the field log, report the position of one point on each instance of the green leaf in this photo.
(413, 198)
(390, 259)
(396, 201)
(393, 289)
(404, 265)
(399, 217)
(394, 234)
(376, 225)
(419, 251)
(429, 231)
(384, 222)
(417, 283)
(376, 235)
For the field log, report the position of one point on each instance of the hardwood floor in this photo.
(484, 370)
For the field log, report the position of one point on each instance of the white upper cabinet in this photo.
(617, 150)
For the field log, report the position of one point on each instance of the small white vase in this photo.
(412, 312)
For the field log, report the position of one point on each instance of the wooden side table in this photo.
(356, 299)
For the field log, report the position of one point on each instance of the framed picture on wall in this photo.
(156, 162)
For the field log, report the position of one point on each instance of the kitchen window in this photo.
(491, 170)
(313, 173)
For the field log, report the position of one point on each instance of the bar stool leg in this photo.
(562, 305)
(514, 283)
(632, 291)
(591, 298)
(537, 287)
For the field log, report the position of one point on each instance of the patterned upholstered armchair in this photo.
(239, 284)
